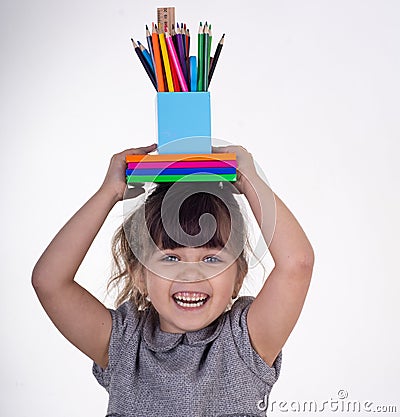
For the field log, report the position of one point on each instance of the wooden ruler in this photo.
(166, 17)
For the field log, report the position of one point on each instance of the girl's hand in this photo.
(246, 170)
(115, 180)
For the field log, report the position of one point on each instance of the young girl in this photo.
(178, 345)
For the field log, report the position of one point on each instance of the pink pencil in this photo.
(182, 164)
(175, 62)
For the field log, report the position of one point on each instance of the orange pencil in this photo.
(157, 61)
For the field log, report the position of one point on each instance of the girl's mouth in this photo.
(189, 300)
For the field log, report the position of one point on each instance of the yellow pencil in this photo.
(167, 67)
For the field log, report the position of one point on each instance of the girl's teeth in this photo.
(186, 304)
(193, 300)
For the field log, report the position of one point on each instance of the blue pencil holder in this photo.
(183, 123)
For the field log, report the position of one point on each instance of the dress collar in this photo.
(159, 341)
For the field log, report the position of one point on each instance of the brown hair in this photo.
(172, 221)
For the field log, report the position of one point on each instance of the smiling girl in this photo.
(181, 342)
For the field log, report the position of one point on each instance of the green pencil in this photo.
(209, 53)
(200, 59)
(206, 57)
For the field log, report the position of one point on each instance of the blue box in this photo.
(183, 122)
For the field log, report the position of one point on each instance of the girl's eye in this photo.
(170, 258)
(211, 259)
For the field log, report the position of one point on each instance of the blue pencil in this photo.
(193, 73)
(150, 45)
(146, 55)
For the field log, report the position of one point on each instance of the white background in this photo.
(311, 88)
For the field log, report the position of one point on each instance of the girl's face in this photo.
(191, 287)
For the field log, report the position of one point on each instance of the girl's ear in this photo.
(242, 269)
(236, 290)
(139, 280)
(142, 282)
(238, 284)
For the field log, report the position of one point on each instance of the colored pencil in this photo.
(188, 42)
(183, 33)
(173, 69)
(167, 66)
(206, 57)
(216, 56)
(175, 78)
(157, 60)
(175, 61)
(200, 59)
(187, 46)
(150, 45)
(193, 73)
(173, 36)
(146, 54)
(181, 55)
(209, 47)
(145, 64)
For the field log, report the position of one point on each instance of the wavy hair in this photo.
(228, 229)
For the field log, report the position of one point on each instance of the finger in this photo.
(141, 150)
(147, 149)
(221, 149)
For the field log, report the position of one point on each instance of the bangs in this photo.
(194, 215)
(201, 220)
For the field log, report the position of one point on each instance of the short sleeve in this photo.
(238, 317)
(124, 324)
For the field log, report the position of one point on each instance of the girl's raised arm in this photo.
(78, 315)
(274, 313)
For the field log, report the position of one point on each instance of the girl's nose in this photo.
(190, 271)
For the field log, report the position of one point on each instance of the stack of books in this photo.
(181, 167)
